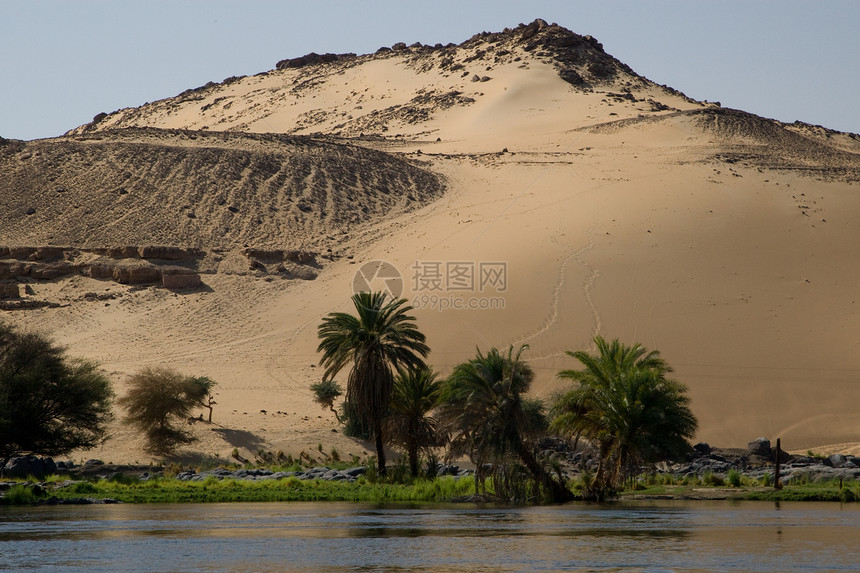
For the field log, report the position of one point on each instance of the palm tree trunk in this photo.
(380, 448)
(556, 489)
(413, 460)
(619, 467)
(412, 448)
(599, 484)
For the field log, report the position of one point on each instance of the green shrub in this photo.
(659, 479)
(173, 469)
(371, 475)
(734, 478)
(81, 487)
(399, 473)
(120, 477)
(20, 495)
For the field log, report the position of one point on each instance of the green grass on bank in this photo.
(442, 489)
(819, 491)
(212, 490)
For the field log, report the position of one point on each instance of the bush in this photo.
(120, 477)
(82, 487)
(354, 426)
(325, 393)
(20, 495)
(159, 403)
(734, 478)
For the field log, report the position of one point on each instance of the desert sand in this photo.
(612, 205)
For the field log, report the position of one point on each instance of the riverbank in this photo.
(123, 489)
(822, 491)
(56, 491)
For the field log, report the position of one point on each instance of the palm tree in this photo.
(483, 409)
(625, 405)
(381, 337)
(415, 394)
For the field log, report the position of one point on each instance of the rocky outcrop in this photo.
(23, 466)
(9, 290)
(321, 473)
(134, 265)
(760, 447)
(280, 255)
(181, 281)
(151, 252)
(312, 59)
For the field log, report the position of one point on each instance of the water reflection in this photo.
(648, 536)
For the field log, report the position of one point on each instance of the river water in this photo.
(652, 536)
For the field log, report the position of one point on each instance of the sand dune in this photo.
(612, 205)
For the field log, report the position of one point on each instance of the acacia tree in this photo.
(485, 412)
(624, 404)
(49, 403)
(415, 394)
(381, 337)
(159, 402)
(325, 393)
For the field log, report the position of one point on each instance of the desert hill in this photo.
(612, 205)
(402, 87)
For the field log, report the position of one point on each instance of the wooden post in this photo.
(776, 483)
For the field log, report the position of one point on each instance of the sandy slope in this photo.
(726, 241)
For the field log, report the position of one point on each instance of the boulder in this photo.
(702, 448)
(50, 271)
(23, 466)
(101, 272)
(179, 281)
(136, 275)
(168, 253)
(760, 447)
(9, 291)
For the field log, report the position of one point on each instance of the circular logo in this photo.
(375, 276)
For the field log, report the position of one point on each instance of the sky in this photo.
(62, 62)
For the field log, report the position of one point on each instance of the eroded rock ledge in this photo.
(167, 266)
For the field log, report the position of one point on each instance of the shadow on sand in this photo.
(240, 438)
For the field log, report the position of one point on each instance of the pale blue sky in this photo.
(62, 62)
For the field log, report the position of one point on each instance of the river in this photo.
(652, 536)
